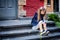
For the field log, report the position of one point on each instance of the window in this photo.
(48, 2)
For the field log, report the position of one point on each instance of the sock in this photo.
(45, 31)
(41, 31)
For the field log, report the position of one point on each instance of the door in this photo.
(8, 9)
(56, 6)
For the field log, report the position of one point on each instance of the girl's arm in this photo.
(38, 16)
(45, 17)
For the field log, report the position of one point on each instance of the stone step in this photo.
(20, 24)
(17, 33)
(13, 23)
(25, 32)
(15, 27)
(25, 18)
(36, 37)
(9, 29)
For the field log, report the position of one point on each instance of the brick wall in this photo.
(29, 7)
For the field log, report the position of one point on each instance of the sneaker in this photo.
(46, 33)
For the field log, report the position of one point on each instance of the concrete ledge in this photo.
(20, 23)
(36, 37)
(25, 32)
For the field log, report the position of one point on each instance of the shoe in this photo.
(46, 33)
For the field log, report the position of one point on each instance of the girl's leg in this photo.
(45, 28)
(35, 27)
(40, 26)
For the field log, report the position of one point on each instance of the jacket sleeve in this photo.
(34, 20)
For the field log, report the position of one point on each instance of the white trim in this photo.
(59, 5)
(45, 4)
(51, 12)
(48, 5)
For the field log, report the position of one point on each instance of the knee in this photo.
(40, 22)
(44, 24)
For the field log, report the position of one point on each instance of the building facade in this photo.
(52, 5)
(31, 6)
(13, 9)
(49, 5)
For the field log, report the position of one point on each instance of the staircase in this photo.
(21, 30)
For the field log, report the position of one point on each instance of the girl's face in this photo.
(42, 11)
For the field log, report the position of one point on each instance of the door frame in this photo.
(56, 5)
(16, 9)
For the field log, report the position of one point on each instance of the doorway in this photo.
(8, 9)
(56, 6)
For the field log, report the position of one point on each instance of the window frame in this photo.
(48, 2)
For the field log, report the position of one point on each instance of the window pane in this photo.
(48, 2)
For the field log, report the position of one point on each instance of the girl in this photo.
(38, 21)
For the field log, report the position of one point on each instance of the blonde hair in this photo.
(39, 12)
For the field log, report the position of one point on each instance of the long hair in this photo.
(39, 12)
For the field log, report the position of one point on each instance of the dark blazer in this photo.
(34, 21)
